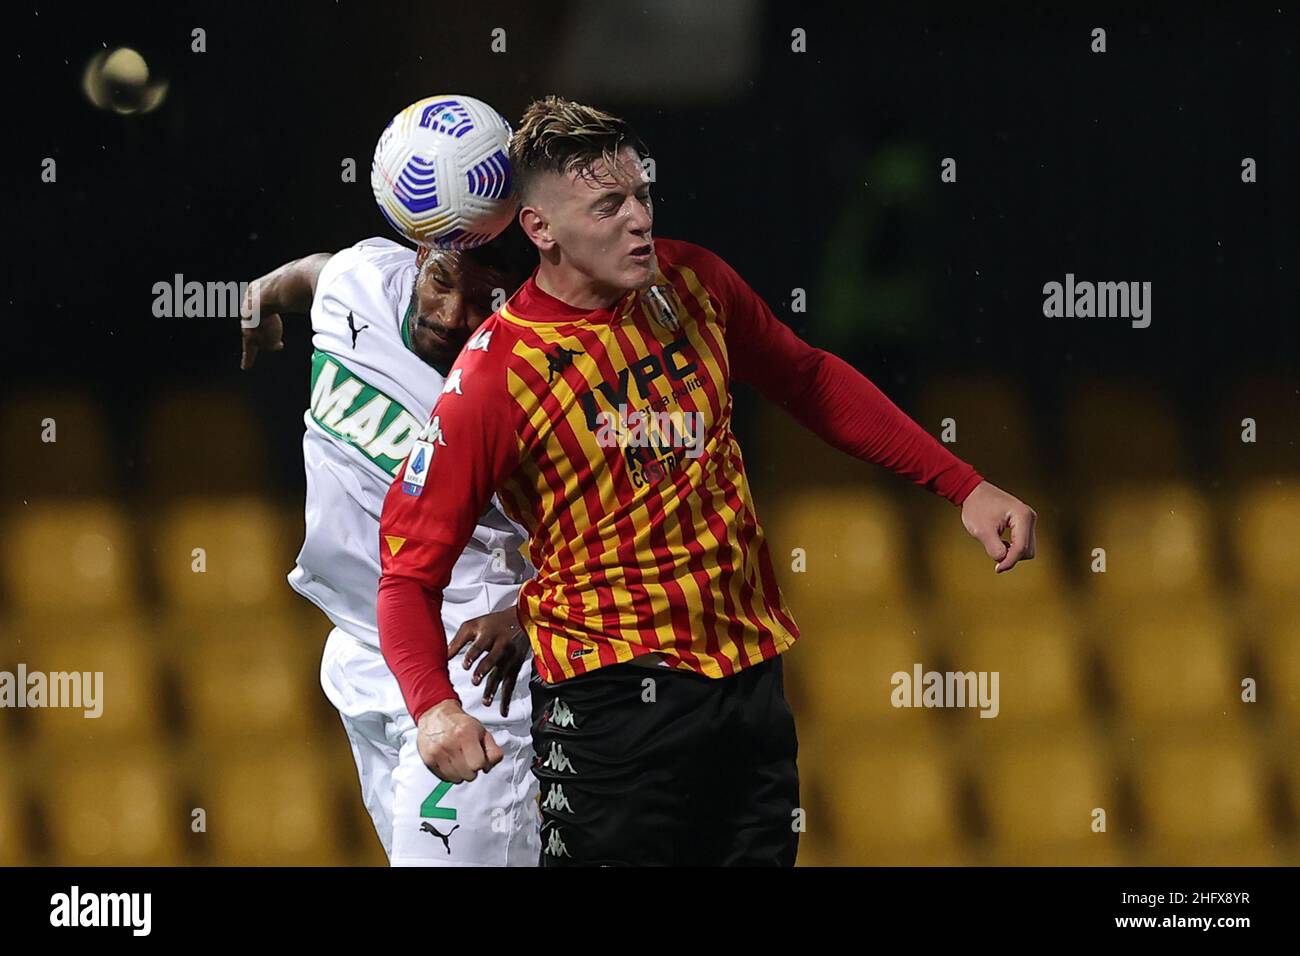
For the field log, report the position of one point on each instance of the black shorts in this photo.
(649, 766)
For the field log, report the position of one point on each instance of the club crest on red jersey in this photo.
(663, 305)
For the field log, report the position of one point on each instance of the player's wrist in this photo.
(440, 707)
(967, 488)
(282, 295)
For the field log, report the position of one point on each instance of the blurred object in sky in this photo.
(118, 80)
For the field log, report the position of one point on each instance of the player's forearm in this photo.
(413, 643)
(846, 409)
(292, 287)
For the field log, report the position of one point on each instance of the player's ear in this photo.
(535, 227)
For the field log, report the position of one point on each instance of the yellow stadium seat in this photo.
(1200, 795)
(121, 809)
(9, 658)
(1040, 662)
(11, 719)
(992, 425)
(1174, 664)
(1121, 431)
(894, 807)
(76, 462)
(1290, 768)
(1041, 793)
(15, 820)
(852, 548)
(817, 846)
(843, 675)
(70, 557)
(1158, 542)
(1279, 677)
(332, 753)
(1266, 535)
(272, 808)
(300, 625)
(205, 441)
(106, 667)
(1262, 851)
(226, 555)
(247, 686)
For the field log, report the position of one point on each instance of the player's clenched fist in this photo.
(453, 744)
(988, 513)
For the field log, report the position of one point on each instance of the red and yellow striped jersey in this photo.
(607, 435)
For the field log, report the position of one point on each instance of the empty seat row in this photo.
(293, 805)
(232, 680)
(1055, 797)
(852, 546)
(221, 555)
(61, 443)
(1171, 664)
(1110, 430)
(838, 549)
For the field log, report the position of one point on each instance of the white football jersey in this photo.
(371, 395)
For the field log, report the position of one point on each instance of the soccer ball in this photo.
(441, 174)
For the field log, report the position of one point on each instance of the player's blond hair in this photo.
(556, 135)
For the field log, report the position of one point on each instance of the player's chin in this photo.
(640, 274)
(437, 352)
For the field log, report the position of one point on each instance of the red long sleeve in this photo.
(413, 643)
(429, 516)
(832, 399)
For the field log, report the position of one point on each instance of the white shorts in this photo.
(492, 820)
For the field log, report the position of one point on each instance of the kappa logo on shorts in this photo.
(556, 801)
(561, 715)
(427, 827)
(557, 760)
(555, 845)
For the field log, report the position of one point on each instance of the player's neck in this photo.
(575, 289)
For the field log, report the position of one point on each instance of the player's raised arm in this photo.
(288, 289)
(429, 514)
(841, 405)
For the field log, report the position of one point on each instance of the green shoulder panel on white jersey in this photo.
(352, 411)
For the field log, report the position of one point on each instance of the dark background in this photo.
(1115, 166)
